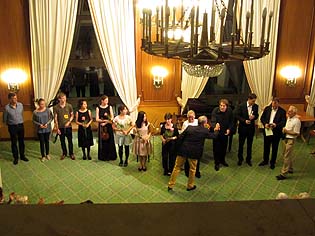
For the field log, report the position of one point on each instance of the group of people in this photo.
(277, 125)
(180, 148)
(111, 130)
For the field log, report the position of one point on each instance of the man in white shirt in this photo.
(291, 131)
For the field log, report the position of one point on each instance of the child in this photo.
(142, 146)
(83, 118)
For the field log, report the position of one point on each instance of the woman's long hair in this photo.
(140, 119)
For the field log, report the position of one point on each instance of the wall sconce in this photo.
(291, 73)
(13, 77)
(159, 73)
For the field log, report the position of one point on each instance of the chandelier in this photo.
(177, 31)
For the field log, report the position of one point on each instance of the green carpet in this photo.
(106, 182)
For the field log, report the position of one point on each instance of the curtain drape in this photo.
(310, 99)
(52, 25)
(114, 27)
(260, 73)
(191, 88)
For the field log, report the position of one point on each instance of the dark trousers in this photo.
(219, 148)
(242, 138)
(66, 132)
(17, 135)
(80, 89)
(168, 156)
(44, 143)
(273, 141)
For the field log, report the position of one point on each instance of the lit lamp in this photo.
(290, 73)
(159, 74)
(13, 77)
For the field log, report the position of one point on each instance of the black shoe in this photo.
(144, 169)
(24, 159)
(169, 189)
(249, 163)
(280, 177)
(191, 189)
(225, 164)
(126, 164)
(272, 166)
(84, 157)
(139, 169)
(198, 175)
(217, 167)
(263, 163)
(121, 163)
(239, 163)
(89, 158)
(290, 171)
(15, 161)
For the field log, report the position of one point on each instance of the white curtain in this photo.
(114, 27)
(310, 99)
(260, 73)
(52, 25)
(191, 88)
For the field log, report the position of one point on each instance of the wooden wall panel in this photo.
(294, 47)
(155, 102)
(15, 47)
(168, 90)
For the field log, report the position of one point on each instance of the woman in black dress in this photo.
(83, 118)
(106, 143)
(169, 134)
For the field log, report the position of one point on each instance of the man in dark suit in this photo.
(273, 119)
(246, 114)
(224, 116)
(191, 143)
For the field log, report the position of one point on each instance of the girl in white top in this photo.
(122, 125)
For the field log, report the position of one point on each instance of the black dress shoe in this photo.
(191, 189)
(263, 163)
(280, 177)
(121, 163)
(169, 189)
(272, 166)
(198, 175)
(239, 163)
(225, 164)
(24, 159)
(249, 163)
(15, 161)
(217, 167)
(139, 169)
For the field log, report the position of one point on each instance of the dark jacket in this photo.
(225, 119)
(191, 141)
(241, 114)
(280, 119)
